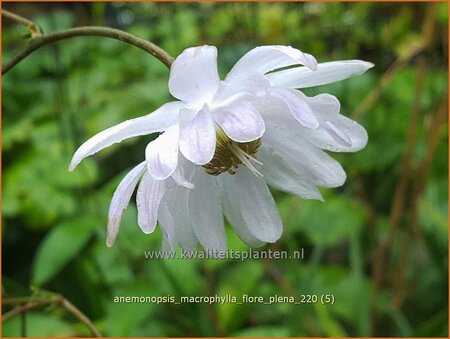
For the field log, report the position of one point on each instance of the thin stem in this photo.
(434, 135)
(80, 316)
(19, 300)
(25, 308)
(26, 304)
(398, 65)
(112, 33)
(34, 28)
(404, 185)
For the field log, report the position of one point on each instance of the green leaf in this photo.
(60, 246)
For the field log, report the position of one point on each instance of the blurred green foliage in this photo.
(54, 221)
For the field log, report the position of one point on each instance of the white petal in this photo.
(239, 87)
(162, 154)
(167, 224)
(120, 200)
(235, 219)
(157, 121)
(299, 108)
(177, 199)
(206, 211)
(249, 197)
(240, 121)
(198, 138)
(193, 74)
(349, 132)
(186, 115)
(335, 133)
(285, 177)
(180, 179)
(264, 59)
(316, 165)
(148, 198)
(238, 224)
(323, 104)
(327, 72)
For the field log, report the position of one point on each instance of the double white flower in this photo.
(205, 162)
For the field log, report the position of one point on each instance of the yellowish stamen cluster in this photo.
(229, 155)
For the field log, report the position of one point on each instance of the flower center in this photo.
(229, 155)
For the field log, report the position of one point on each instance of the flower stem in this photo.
(39, 41)
(26, 304)
(34, 28)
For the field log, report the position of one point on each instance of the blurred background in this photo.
(379, 244)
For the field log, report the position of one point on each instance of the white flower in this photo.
(206, 104)
(191, 216)
(234, 136)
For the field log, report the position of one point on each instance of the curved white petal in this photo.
(120, 201)
(327, 72)
(234, 216)
(162, 154)
(148, 198)
(316, 165)
(264, 59)
(338, 135)
(157, 121)
(238, 224)
(335, 133)
(248, 197)
(230, 90)
(167, 224)
(350, 133)
(324, 105)
(282, 175)
(177, 199)
(180, 179)
(193, 74)
(205, 209)
(299, 108)
(240, 121)
(198, 138)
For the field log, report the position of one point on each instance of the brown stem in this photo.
(279, 278)
(34, 28)
(66, 304)
(29, 303)
(40, 41)
(433, 137)
(399, 274)
(23, 300)
(406, 166)
(25, 308)
(372, 98)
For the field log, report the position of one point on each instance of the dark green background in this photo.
(387, 270)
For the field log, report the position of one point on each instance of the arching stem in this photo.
(40, 40)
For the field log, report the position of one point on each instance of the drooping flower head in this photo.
(224, 140)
